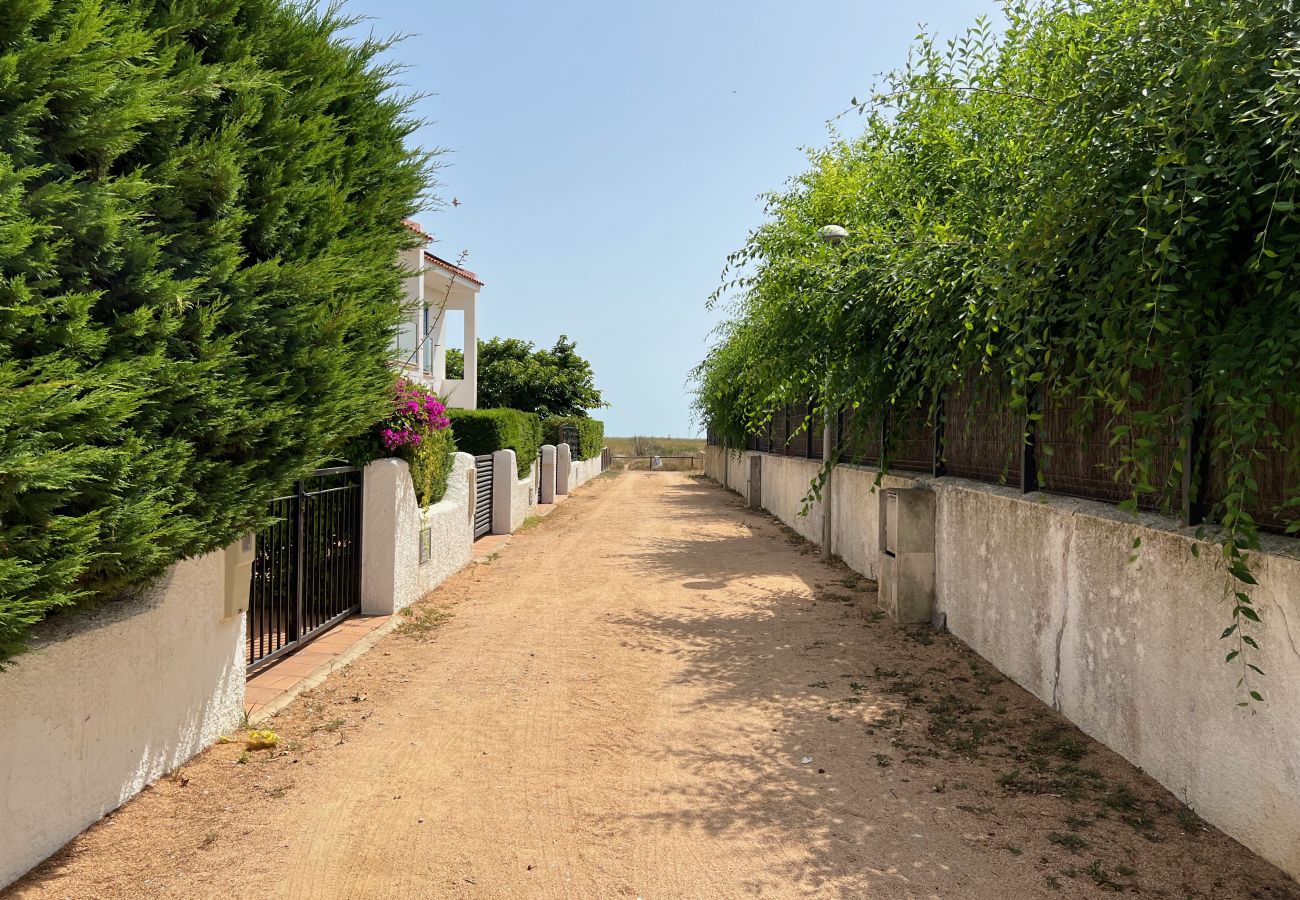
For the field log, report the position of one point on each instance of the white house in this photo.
(438, 288)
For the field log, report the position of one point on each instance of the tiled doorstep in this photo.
(488, 545)
(272, 689)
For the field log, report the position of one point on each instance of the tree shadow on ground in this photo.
(874, 760)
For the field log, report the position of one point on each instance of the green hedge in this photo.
(591, 434)
(480, 431)
(200, 224)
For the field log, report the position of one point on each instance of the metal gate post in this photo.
(299, 539)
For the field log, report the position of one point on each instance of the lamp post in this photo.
(834, 235)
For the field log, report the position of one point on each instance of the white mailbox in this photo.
(907, 554)
(239, 574)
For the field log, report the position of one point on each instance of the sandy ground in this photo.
(656, 693)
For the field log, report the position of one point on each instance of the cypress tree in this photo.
(201, 207)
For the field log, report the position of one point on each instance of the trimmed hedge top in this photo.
(591, 434)
(481, 431)
(200, 226)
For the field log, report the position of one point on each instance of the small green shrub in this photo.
(480, 431)
(430, 462)
(591, 434)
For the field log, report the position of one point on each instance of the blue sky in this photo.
(608, 156)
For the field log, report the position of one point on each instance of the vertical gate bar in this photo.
(250, 618)
(269, 583)
(345, 593)
(315, 529)
(286, 568)
(346, 567)
(272, 583)
(319, 530)
(316, 564)
(288, 548)
(305, 616)
(358, 522)
(298, 582)
(329, 534)
(336, 548)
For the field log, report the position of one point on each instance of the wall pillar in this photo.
(503, 482)
(548, 473)
(563, 468)
(830, 440)
(382, 497)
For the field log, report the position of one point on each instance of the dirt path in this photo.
(656, 693)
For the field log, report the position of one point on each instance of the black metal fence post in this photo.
(302, 558)
(939, 468)
(1196, 460)
(1029, 442)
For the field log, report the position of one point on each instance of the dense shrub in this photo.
(481, 431)
(200, 220)
(1101, 203)
(591, 434)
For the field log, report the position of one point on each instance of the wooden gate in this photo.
(307, 569)
(482, 495)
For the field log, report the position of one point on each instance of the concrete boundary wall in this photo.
(523, 495)
(583, 470)
(109, 700)
(392, 576)
(1043, 588)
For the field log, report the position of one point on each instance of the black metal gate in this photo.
(307, 571)
(482, 495)
(537, 476)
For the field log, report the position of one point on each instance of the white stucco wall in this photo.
(108, 701)
(729, 468)
(1042, 587)
(392, 576)
(785, 482)
(523, 496)
(583, 470)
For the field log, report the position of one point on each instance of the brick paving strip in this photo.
(655, 692)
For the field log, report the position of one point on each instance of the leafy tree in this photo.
(455, 362)
(1100, 203)
(201, 211)
(554, 382)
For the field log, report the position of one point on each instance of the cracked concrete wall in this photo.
(1130, 651)
(1043, 587)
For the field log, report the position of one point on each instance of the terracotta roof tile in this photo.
(415, 226)
(453, 268)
